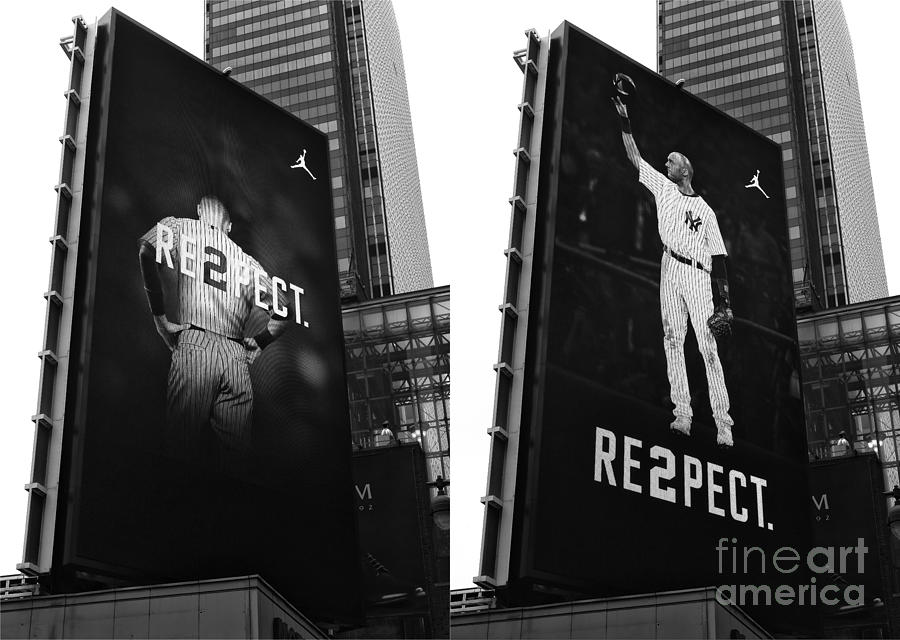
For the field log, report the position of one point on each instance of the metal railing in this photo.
(18, 586)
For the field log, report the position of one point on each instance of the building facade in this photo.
(339, 66)
(851, 381)
(232, 607)
(398, 373)
(850, 359)
(787, 70)
(687, 613)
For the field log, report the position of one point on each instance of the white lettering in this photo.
(664, 473)
(759, 483)
(604, 455)
(657, 471)
(712, 488)
(693, 477)
(741, 515)
(260, 290)
(164, 240)
(298, 291)
(278, 284)
(629, 464)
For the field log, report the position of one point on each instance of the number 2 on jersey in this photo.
(220, 266)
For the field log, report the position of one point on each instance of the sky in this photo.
(464, 88)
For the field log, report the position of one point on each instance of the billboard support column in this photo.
(504, 432)
(44, 482)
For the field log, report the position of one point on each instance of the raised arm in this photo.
(630, 145)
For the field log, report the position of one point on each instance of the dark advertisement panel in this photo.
(207, 425)
(657, 451)
(849, 524)
(395, 534)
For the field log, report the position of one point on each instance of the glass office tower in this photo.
(787, 70)
(339, 66)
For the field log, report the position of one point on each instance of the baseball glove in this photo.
(720, 322)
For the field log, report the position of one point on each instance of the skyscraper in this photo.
(787, 70)
(339, 66)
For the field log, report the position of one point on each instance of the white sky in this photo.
(464, 87)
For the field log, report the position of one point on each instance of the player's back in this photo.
(216, 278)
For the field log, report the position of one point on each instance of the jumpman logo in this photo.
(300, 163)
(691, 221)
(754, 182)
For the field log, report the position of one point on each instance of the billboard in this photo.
(206, 431)
(395, 534)
(623, 486)
(849, 515)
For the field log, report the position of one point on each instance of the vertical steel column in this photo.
(54, 354)
(504, 432)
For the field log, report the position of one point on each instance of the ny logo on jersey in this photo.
(691, 221)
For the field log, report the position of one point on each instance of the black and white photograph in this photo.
(235, 230)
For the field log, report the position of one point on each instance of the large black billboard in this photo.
(395, 534)
(206, 430)
(849, 516)
(656, 452)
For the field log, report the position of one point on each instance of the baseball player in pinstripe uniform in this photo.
(693, 254)
(209, 393)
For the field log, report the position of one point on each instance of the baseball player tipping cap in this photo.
(693, 253)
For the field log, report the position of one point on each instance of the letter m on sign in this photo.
(821, 502)
(365, 492)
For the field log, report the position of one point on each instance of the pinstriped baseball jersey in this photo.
(218, 284)
(687, 225)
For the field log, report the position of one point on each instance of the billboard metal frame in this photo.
(505, 432)
(507, 556)
(51, 548)
(43, 487)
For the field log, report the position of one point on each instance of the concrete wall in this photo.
(681, 614)
(229, 608)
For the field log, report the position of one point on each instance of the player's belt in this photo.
(238, 340)
(681, 258)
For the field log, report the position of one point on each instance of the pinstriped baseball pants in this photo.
(210, 398)
(685, 291)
